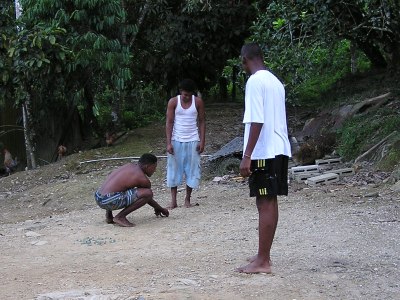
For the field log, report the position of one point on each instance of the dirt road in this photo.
(339, 241)
(331, 243)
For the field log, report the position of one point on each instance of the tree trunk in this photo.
(234, 79)
(373, 53)
(223, 91)
(353, 58)
(395, 57)
(89, 119)
(66, 128)
(28, 134)
(140, 22)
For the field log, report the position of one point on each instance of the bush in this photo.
(133, 119)
(362, 132)
(391, 161)
(130, 119)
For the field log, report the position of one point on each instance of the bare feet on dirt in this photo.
(255, 267)
(188, 204)
(172, 206)
(123, 222)
(109, 217)
(254, 257)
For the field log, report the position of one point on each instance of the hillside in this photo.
(338, 241)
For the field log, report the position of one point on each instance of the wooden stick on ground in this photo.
(123, 158)
(365, 154)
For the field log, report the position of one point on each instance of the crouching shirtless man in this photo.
(129, 188)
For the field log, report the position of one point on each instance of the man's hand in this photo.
(162, 212)
(245, 167)
(170, 149)
(200, 148)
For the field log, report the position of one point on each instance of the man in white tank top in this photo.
(185, 132)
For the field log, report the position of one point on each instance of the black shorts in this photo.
(269, 176)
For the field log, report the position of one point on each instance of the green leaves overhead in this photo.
(295, 32)
(92, 39)
(186, 39)
(36, 55)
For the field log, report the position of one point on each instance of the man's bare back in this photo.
(126, 177)
(129, 188)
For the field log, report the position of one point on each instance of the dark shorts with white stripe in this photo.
(269, 177)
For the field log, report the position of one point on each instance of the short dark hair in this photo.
(147, 159)
(187, 85)
(251, 51)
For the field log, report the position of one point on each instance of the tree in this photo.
(65, 55)
(69, 55)
(308, 38)
(372, 25)
(179, 39)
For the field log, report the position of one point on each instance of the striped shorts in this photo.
(118, 200)
(269, 177)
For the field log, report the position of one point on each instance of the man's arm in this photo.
(255, 129)
(170, 118)
(158, 209)
(202, 123)
(144, 182)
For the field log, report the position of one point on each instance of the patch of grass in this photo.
(311, 91)
(133, 144)
(391, 161)
(362, 132)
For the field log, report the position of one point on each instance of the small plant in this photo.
(391, 160)
(362, 132)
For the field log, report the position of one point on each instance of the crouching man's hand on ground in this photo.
(162, 212)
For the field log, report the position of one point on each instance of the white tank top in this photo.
(185, 124)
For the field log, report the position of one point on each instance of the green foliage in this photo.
(328, 67)
(291, 51)
(144, 104)
(310, 91)
(67, 53)
(102, 56)
(190, 41)
(362, 132)
(391, 161)
(103, 114)
(37, 57)
(307, 42)
(130, 119)
(7, 33)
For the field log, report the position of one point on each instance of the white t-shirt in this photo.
(265, 103)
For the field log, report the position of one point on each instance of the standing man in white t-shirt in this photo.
(266, 150)
(185, 131)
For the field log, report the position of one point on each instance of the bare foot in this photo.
(254, 257)
(188, 204)
(109, 217)
(172, 205)
(255, 267)
(123, 222)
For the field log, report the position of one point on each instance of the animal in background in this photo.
(61, 150)
(111, 137)
(9, 163)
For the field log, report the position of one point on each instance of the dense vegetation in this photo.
(116, 62)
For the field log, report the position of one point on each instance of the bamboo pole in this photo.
(126, 157)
